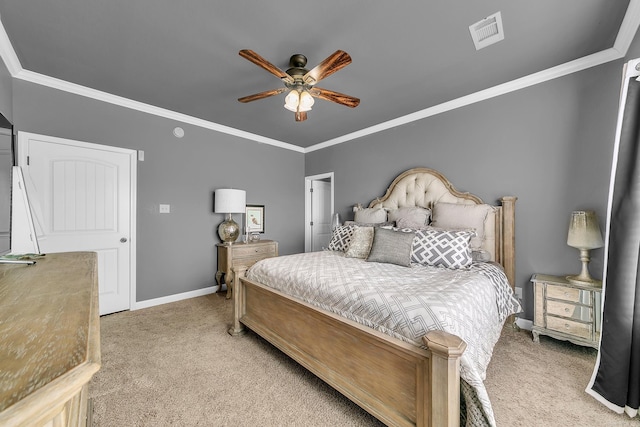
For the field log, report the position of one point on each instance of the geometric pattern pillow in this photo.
(341, 238)
(446, 248)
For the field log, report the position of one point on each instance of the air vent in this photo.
(487, 31)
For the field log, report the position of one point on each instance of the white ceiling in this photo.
(411, 59)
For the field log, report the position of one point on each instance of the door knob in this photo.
(123, 240)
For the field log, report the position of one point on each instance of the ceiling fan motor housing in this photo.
(297, 63)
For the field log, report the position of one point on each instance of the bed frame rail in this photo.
(398, 383)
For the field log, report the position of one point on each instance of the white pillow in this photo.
(371, 215)
(459, 216)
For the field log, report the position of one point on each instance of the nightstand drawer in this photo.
(254, 252)
(563, 293)
(560, 308)
(569, 327)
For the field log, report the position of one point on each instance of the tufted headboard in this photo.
(423, 187)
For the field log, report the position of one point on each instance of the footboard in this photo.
(400, 384)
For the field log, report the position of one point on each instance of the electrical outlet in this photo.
(165, 208)
(519, 294)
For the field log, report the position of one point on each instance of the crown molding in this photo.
(76, 89)
(512, 86)
(624, 38)
(628, 28)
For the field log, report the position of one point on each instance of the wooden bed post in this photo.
(446, 350)
(509, 238)
(239, 309)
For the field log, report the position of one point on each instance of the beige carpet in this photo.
(175, 365)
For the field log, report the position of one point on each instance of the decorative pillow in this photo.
(369, 224)
(371, 215)
(404, 230)
(405, 223)
(447, 248)
(392, 247)
(460, 216)
(411, 216)
(360, 243)
(480, 255)
(341, 238)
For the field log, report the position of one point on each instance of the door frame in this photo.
(21, 160)
(307, 204)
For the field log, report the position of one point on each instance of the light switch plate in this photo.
(165, 208)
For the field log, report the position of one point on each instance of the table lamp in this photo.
(584, 234)
(229, 201)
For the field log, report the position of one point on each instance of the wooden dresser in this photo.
(49, 340)
(241, 254)
(565, 310)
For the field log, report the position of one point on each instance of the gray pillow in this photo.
(412, 216)
(393, 247)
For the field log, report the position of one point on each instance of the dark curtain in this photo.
(616, 378)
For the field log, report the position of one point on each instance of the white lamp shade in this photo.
(306, 101)
(584, 231)
(291, 100)
(229, 200)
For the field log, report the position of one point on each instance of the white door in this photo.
(319, 207)
(82, 199)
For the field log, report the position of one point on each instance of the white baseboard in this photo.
(173, 298)
(524, 323)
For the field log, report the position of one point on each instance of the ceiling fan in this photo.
(300, 82)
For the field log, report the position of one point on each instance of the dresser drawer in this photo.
(253, 252)
(569, 327)
(563, 293)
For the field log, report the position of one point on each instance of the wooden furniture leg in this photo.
(237, 328)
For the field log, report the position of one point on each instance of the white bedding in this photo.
(404, 302)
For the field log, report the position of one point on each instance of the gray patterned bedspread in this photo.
(406, 303)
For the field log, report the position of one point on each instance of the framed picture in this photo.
(254, 217)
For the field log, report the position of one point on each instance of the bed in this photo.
(404, 368)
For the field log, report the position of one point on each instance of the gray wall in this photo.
(6, 92)
(550, 145)
(176, 251)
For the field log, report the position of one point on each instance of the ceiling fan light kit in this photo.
(301, 83)
(298, 100)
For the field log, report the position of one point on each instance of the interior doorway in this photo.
(82, 198)
(319, 196)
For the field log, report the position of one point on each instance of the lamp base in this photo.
(580, 280)
(584, 278)
(229, 231)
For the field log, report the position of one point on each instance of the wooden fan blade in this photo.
(339, 98)
(261, 95)
(263, 63)
(301, 116)
(338, 60)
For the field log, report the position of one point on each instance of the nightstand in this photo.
(245, 254)
(565, 310)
